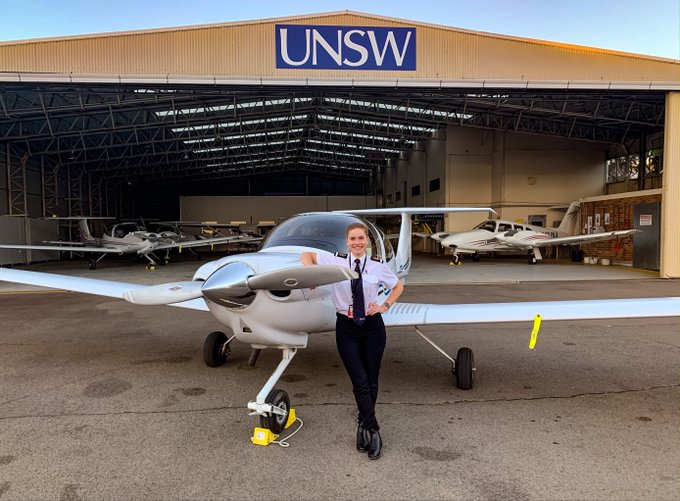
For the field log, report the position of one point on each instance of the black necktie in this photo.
(359, 312)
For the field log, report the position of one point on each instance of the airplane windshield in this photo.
(320, 231)
(488, 225)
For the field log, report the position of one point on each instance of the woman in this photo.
(359, 328)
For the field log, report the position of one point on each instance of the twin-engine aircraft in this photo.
(128, 238)
(268, 299)
(498, 236)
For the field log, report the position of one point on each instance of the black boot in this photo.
(375, 444)
(362, 438)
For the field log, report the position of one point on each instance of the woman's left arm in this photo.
(394, 295)
(391, 299)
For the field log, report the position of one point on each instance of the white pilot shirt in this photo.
(374, 273)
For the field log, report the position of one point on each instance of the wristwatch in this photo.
(387, 305)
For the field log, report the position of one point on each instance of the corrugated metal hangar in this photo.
(404, 113)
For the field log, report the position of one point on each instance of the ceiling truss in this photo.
(170, 133)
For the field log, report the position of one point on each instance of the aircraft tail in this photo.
(569, 224)
(85, 234)
(403, 258)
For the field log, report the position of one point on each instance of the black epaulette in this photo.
(341, 255)
(376, 258)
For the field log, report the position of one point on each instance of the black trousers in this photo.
(361, 349)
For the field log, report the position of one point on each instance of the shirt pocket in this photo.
(371, 284)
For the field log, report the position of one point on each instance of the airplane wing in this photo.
(581, 239)
(63, 248)
(405, 314)
(94, 286)
(208, 241)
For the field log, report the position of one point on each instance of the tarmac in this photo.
(101, 399)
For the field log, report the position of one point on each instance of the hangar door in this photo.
(646, 244)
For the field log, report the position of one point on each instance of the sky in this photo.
(650, 27)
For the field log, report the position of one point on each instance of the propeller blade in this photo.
(168, 293)
(301, 277)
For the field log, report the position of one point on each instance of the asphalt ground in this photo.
(101, 399)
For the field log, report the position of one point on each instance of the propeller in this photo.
(234, 284)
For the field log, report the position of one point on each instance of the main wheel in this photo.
(93, 264)
(464, 371)
(532, 259)
(216, 349)
(476, 257)
(275, 422)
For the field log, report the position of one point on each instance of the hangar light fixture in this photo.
(399, 108)
(277, 133)
(238, 106)
(352, 146)
(241, 146)
(399, 141)
(387, 125)
(239, 123)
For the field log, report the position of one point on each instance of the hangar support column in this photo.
(670, 199)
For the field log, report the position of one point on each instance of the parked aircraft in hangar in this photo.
(128, 238)
(499, 236)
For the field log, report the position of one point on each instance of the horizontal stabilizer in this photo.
(301, 277)
(168, 293)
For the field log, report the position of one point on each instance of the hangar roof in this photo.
(210, 101)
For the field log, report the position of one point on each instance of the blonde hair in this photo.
(354, 226)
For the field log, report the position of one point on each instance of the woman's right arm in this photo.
(308, 258)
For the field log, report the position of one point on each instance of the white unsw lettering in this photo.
(336, 54)
(284, 48)
(379, 56)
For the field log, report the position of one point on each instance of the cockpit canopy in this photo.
(119, 230)
(325, 231)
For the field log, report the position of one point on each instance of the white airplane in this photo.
(268, 299)
(127, 238)
(500, 236)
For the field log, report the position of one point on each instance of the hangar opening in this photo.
(125, 124)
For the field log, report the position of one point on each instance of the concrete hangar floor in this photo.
(101, 399)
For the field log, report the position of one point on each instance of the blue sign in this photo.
(345, 47)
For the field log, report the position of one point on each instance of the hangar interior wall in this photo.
(252, 210)
(516, 174)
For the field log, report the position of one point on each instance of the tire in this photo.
(216, 351)
(92, 264)
(532, 259)
(276, 423)
(464, 371)
(476, 257)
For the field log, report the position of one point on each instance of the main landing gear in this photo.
(532, 258)
(271, 404)
(463, 367)
(93, 262)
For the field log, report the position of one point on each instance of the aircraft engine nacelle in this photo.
(277, 318)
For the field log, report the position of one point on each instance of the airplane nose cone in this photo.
(228, 286)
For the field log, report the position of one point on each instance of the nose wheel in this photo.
(280, 408)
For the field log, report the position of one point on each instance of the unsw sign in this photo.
(345, 47)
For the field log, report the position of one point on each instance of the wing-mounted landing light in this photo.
(235, 284)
